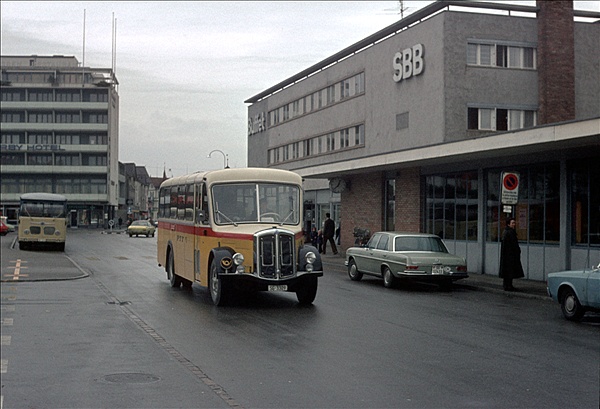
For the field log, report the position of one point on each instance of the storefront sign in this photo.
(409, 63)
(510, 188)
(257, 124)
(30, 148)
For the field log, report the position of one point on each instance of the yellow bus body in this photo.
(196, 234)
(42, 220)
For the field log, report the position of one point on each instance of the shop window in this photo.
(585, 202)
(451, 206)
(538, 209)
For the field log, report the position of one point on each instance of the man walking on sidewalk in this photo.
(328, 233)
(510, 255)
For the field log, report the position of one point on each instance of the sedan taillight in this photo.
(462, 269)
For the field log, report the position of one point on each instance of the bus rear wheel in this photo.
(174, 279)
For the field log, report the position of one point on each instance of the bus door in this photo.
(187, 235)
(201, 228)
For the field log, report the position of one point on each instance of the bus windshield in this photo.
(256, 203)
(42, 209)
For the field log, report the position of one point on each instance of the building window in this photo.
(39, 139)
(68, 117)
(501, 55)
(40, 96)
(67, 139)
(67, 160)
(9, 95)
(390, 204)
(8, 116)
(451, 206)
(344, 138)
(11, 159)
(40, 117)
(359, 135)
(68, 96)
(585, 202)
(44, 160)
(12, 139)
(94, 160)
(95, 118)
(500, 119)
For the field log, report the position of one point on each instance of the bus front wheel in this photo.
(218, 289)
(307, 293)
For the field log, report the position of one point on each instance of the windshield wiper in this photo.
(286, 217)
(227, 217)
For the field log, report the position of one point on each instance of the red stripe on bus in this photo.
(208, 232)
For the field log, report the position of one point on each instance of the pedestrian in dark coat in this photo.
(328, 233)
(510, 255)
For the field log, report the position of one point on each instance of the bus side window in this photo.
(189, 202)
(200, 203)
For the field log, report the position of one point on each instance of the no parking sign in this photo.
(510, 188)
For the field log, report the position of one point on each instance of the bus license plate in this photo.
(277, 287)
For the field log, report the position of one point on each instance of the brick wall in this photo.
(361, 206)
(408, 200)
(555, 61)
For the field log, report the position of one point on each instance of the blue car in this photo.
(577, 291)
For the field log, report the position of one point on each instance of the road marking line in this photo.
(5, 340)
(7, 308)
(6, 321)
(3, 365)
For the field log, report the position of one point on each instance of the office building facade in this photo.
(448, 122)
(59, 134)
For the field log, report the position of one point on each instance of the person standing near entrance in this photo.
(328, 233)
(510, 255)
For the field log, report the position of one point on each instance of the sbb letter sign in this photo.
(408, 63)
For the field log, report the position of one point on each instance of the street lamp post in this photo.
(225, 157)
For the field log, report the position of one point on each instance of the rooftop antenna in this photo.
(114, 44)
(83, 62)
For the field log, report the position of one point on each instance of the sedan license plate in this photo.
(277, 287)
(437, 270)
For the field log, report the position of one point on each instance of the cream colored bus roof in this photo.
(237, 175)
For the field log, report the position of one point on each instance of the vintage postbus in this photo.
(235, 230)
(42, 220)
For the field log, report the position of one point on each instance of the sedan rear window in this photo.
(420, 244)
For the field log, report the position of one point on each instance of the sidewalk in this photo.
(479, 282)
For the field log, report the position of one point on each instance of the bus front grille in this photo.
(275, 254)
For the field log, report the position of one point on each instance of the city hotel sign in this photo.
(409, 62)
(257, 124)
(31, 148)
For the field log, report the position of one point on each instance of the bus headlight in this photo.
(56, 233)
(310, 257)
(238, 260)
(26, 231)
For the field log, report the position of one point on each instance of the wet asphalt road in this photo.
(116, 335)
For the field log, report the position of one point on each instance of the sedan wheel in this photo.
(388, 278)
(353, 272)
(570, 306)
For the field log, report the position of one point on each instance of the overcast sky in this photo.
(186, 68)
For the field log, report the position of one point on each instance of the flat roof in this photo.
(393, 29)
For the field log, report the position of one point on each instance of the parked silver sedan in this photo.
(405, 256)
